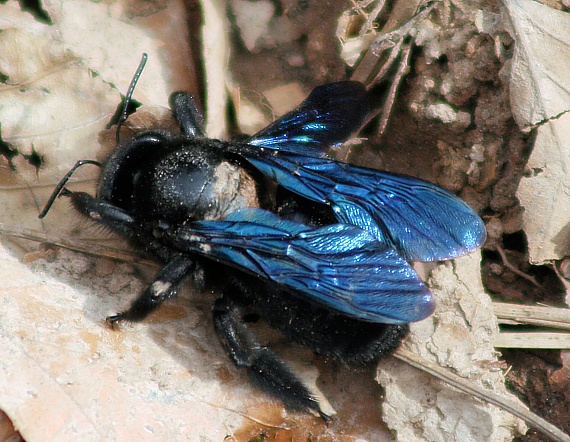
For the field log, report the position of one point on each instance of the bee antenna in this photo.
(60, 188)
(129, 96)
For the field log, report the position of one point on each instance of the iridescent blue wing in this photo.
(422, 221)
(328, 116)
(339, 266)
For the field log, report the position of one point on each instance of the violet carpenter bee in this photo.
(323, 255)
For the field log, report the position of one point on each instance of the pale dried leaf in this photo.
(64, 375)
(64, 83)
(540, 91)
(539, 72)
(545, 192)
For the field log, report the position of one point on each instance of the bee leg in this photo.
(165, 285)
(102, 212)
(166, 282)
(186, 112)
(264, 367)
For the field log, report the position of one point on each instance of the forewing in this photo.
(339, 266)
(328, 116)
(422, 221)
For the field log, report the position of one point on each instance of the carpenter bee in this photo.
(323, 255)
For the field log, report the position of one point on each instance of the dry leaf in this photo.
(540, 93)
(64, 375)
(63, 83)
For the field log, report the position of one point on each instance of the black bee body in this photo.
(325, 258)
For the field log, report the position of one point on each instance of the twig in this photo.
(490, 397)
(542, 340)
(403, 69)
(86, 247)
(513, 269)
(551, 317)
